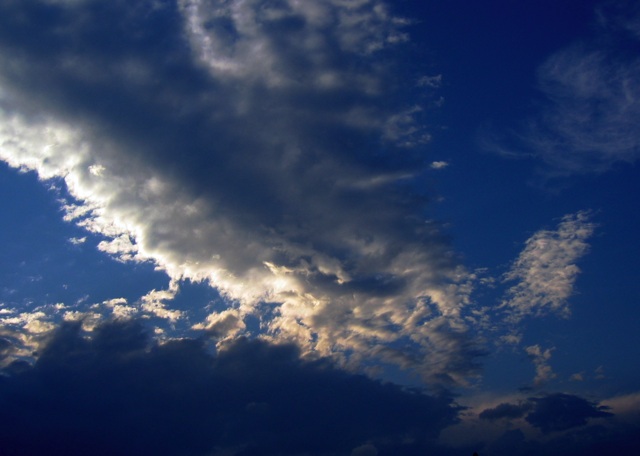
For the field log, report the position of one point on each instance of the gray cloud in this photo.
(265, 148)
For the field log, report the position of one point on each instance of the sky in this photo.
(338, 227)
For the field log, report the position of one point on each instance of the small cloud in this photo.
(540, 360)
(577, 377)
(439, 164)
(154, 303)
(365, 450)
(77, 240)
(546, 269)
(433, 82)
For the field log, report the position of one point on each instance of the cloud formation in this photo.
(265, 148)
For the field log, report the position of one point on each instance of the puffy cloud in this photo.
(118, 392)
(263, 147)
(546, 269)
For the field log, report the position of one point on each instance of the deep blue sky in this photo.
(314, 206)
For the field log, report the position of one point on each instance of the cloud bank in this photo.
(268, 149)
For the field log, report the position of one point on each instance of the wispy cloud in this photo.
(594, 108)
(263, 148)
(546, 269)
(590, 101)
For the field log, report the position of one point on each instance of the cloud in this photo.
(546, 269)
(546, 424)
(549, 413)
(439, 164)
(590, 105)
(559, 412)
(265, 148)
(540, 360)
(118, 392)
(505, 410)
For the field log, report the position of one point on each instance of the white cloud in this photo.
(251, 162)
(154, 302)
(78, 240)
(546, 269)
(439, 164)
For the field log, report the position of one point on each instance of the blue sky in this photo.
(431, 203)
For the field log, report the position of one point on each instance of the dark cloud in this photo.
(565, 421)
(587, 441)
(558, 412)
(505, 410)
(120, 393)
(553, 412)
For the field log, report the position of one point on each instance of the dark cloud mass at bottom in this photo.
(119, 393)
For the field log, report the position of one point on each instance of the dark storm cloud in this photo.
(120, 393)
(269, 149)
